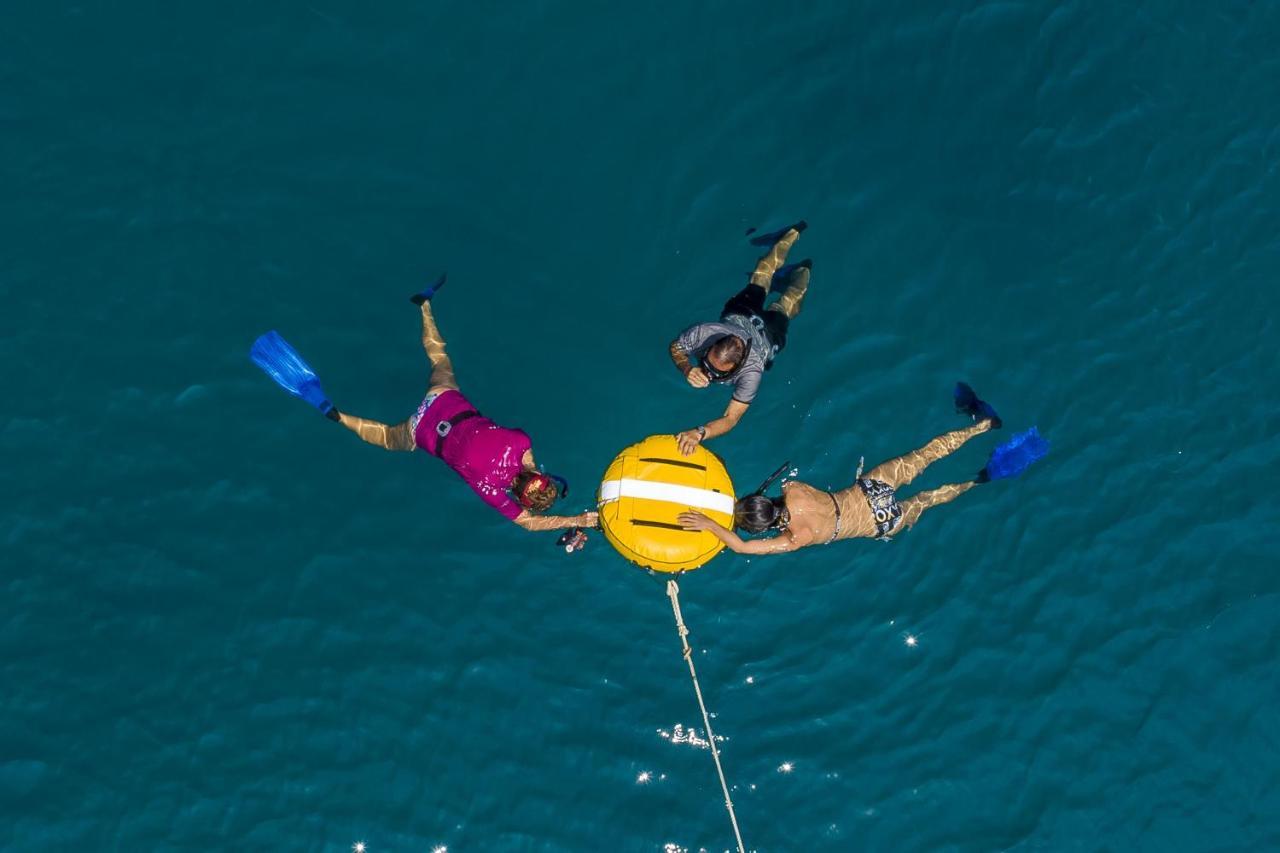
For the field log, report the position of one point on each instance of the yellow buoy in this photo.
(643, 491)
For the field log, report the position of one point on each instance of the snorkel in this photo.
(563, 485)
(757, 513)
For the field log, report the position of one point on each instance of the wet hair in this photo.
(535, 491)
(757, 513)
(730, 349)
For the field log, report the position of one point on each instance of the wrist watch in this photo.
(702, 433)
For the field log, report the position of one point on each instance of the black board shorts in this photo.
(749, 302)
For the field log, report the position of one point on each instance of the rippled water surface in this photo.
(229, 625)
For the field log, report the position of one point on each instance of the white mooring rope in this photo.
(673, 592)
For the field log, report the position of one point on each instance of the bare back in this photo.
(813, 515)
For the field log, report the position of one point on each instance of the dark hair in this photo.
(535, 496)
(730, 348)
(756, 513)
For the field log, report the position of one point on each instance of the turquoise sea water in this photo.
(227, 624)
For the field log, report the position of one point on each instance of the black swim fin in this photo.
(774, 236)
(782, 277)
(967, 403)
(425, 295)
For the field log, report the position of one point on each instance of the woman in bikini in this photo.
(868, 509)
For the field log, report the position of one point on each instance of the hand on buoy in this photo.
(688, 441)
(695, 521)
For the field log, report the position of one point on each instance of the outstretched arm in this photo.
(536, 523)
(784, 541)
(695, 375)
(691, 438)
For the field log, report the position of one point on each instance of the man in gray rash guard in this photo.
(741, 347)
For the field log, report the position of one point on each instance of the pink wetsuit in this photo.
(485, 455)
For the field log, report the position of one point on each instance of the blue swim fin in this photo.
(967, 403)
(783, 276)
(774, 236)
(1014, 456)
(425, 295)
(283, 364)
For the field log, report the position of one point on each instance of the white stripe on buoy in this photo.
(688, 496)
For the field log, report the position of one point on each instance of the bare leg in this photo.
(904, 469)
(442, 378)
(914, 506)
(772, 259)
(398, 437)
(789, 303)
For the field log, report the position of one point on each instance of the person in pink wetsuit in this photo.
(496, 462)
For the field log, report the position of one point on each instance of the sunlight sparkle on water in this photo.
(786, 767)
(679, 734)
(358, 847)
(643, 777)
(911, 640)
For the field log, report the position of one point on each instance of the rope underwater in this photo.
(673, 592)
